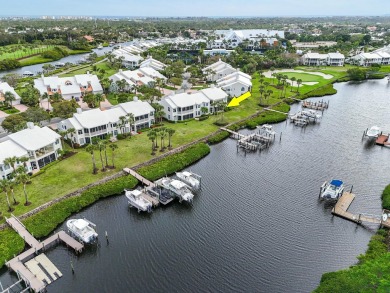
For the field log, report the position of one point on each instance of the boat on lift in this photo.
(332, 190)
(189, 178)
(82, 229)
(311, 114)
(137, 201)
(179, 188)
(373, 132)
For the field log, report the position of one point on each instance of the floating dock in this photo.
(37, 272)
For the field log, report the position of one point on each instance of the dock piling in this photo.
(71, 266)
(107, 238)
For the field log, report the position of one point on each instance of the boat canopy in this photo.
(336, 183)
(185, 173)
(80, 224)
(136, 192)
(177, 184)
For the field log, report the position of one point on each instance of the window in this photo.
(243, 89)
(169, 117)
(174, 110)
(80, 132)
(86, 130)
(169, 109)
(57, 141)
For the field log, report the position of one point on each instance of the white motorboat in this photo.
(27, 74)
(374, 131)
(137, 201)
(189, 178)
(266, 129)
(311, 114)
(180, 189)
(82, 229)
(332, 190)
(59, 65)
(100, 47)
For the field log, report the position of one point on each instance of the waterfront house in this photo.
(5, 87)
(314, 59)
(40, 145)
(367, 59)
(335, 59)
(96, 123)
(73, 87)
(183, 106)
(129, 59)
(236, 83)
(10, 149)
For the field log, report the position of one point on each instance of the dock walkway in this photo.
(139, 177)
(341, 210)
(22, 231)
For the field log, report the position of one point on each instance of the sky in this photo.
(182, 8)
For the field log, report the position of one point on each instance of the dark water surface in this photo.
(257, 226)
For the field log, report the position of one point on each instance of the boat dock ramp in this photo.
(261, 139)
(153, 192)
(343, 204)
(35, 269)
(319, 105)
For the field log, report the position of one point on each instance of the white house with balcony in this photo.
(218, 70)
(73, 87)
(335, 59)
(40, 145)
(232, 38)
(314, 59)
(367, 59)
(143, 76)
(9, 149)
(153, 63)
(5, 87)
(236, 83)
(184, 106)
(129, 60)
(96, 123)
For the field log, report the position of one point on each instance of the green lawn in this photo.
(21, 51)
(303, 76)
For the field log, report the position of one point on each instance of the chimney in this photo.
(88, 72)
(79, 111)
(135, 99)
(42, 76)
(120, 70)
(30, 125)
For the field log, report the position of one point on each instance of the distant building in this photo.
(218, 70)
(89, 39)
(69, 87)
(214, 52)
(153, 63)
(316, 59)
(380, 56)
(143, 76)
(312, 45)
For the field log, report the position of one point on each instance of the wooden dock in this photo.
(320, 105)
(31, 272)
(341, 210)
(139, 177)
(150, 198)
(22, 231)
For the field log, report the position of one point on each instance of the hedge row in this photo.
(218, 137)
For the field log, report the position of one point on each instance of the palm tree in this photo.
(55, 98)
(23, 178)
(11, 161)
(122, 123)
(261, 90)
(272, 69)
(113, 147)
(99, 146)
(104, 144)
(9, 97)
(4, 185)
(131, 119)
(152, 136)
(91, 149)
(24, 160)
(70, 133)
(11, 185)
(170, 132)
(292, 82)
(157, 132)
(98, 98)
(163, 135)
(299, 82)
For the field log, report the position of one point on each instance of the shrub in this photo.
(386, 198)
(120, 136)
(203, 117)
(173, 163)
(321, 91)
(216, 138)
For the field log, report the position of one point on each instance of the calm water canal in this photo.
(257, 226)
